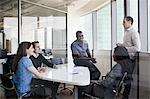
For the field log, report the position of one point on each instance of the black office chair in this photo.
(58, 61)
(47, 52)
(8, 85)
(121, 86)
(7, 68)
(97, 91)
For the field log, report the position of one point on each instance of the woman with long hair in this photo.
(24, 69)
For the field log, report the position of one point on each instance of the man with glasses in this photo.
(82, 56)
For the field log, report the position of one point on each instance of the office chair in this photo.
(58, 61)
(8, 85)
(8, 65)
(11, 90)
(121, 86)
(118, 90)
(47, 52)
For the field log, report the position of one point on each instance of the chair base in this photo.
(66, 89)
(89, 96)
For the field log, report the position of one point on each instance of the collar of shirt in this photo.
(35, 55)
(126, 30)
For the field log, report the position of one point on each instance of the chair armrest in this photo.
(103, 77)
(98, 82)
(94, 81)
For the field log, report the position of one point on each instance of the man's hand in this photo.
(55, 67)
(93, 60)
(42, 69)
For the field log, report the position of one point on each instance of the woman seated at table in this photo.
(105, 88)
(24, 69)
(123, 64)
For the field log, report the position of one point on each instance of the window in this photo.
(120, 16)
(86, 28)
(134, 12)
(9, 24)
(29, 26)
(104, 28)
(11, 33)
(43, 27)
(41, 37)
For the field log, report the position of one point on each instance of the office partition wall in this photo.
(9, 24)
(40, 23)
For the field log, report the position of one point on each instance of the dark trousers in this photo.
(53, 85)
(94, 72)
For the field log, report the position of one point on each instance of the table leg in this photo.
(75, 92)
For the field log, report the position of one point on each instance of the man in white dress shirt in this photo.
(131, 40)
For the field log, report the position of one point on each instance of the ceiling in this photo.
(45, 7)
(9, 8)
(34, 7)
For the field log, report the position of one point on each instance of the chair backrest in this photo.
(121, 85)
(8, 65)
(57, 61)
(6, 82)
(3, 53)
(47, 52)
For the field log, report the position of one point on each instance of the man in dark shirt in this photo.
(38, 59)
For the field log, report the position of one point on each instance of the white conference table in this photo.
(80, 76)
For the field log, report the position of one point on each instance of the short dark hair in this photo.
(120, 53)
(129, 18)
(33, 43)
(78, 32)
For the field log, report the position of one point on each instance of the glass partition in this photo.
(9, 24)
(40, 23)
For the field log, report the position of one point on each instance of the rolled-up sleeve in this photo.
(74, 49)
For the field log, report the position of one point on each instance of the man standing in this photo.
(131, 40)
(82, 56)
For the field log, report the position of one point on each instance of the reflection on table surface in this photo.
(79, 76)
